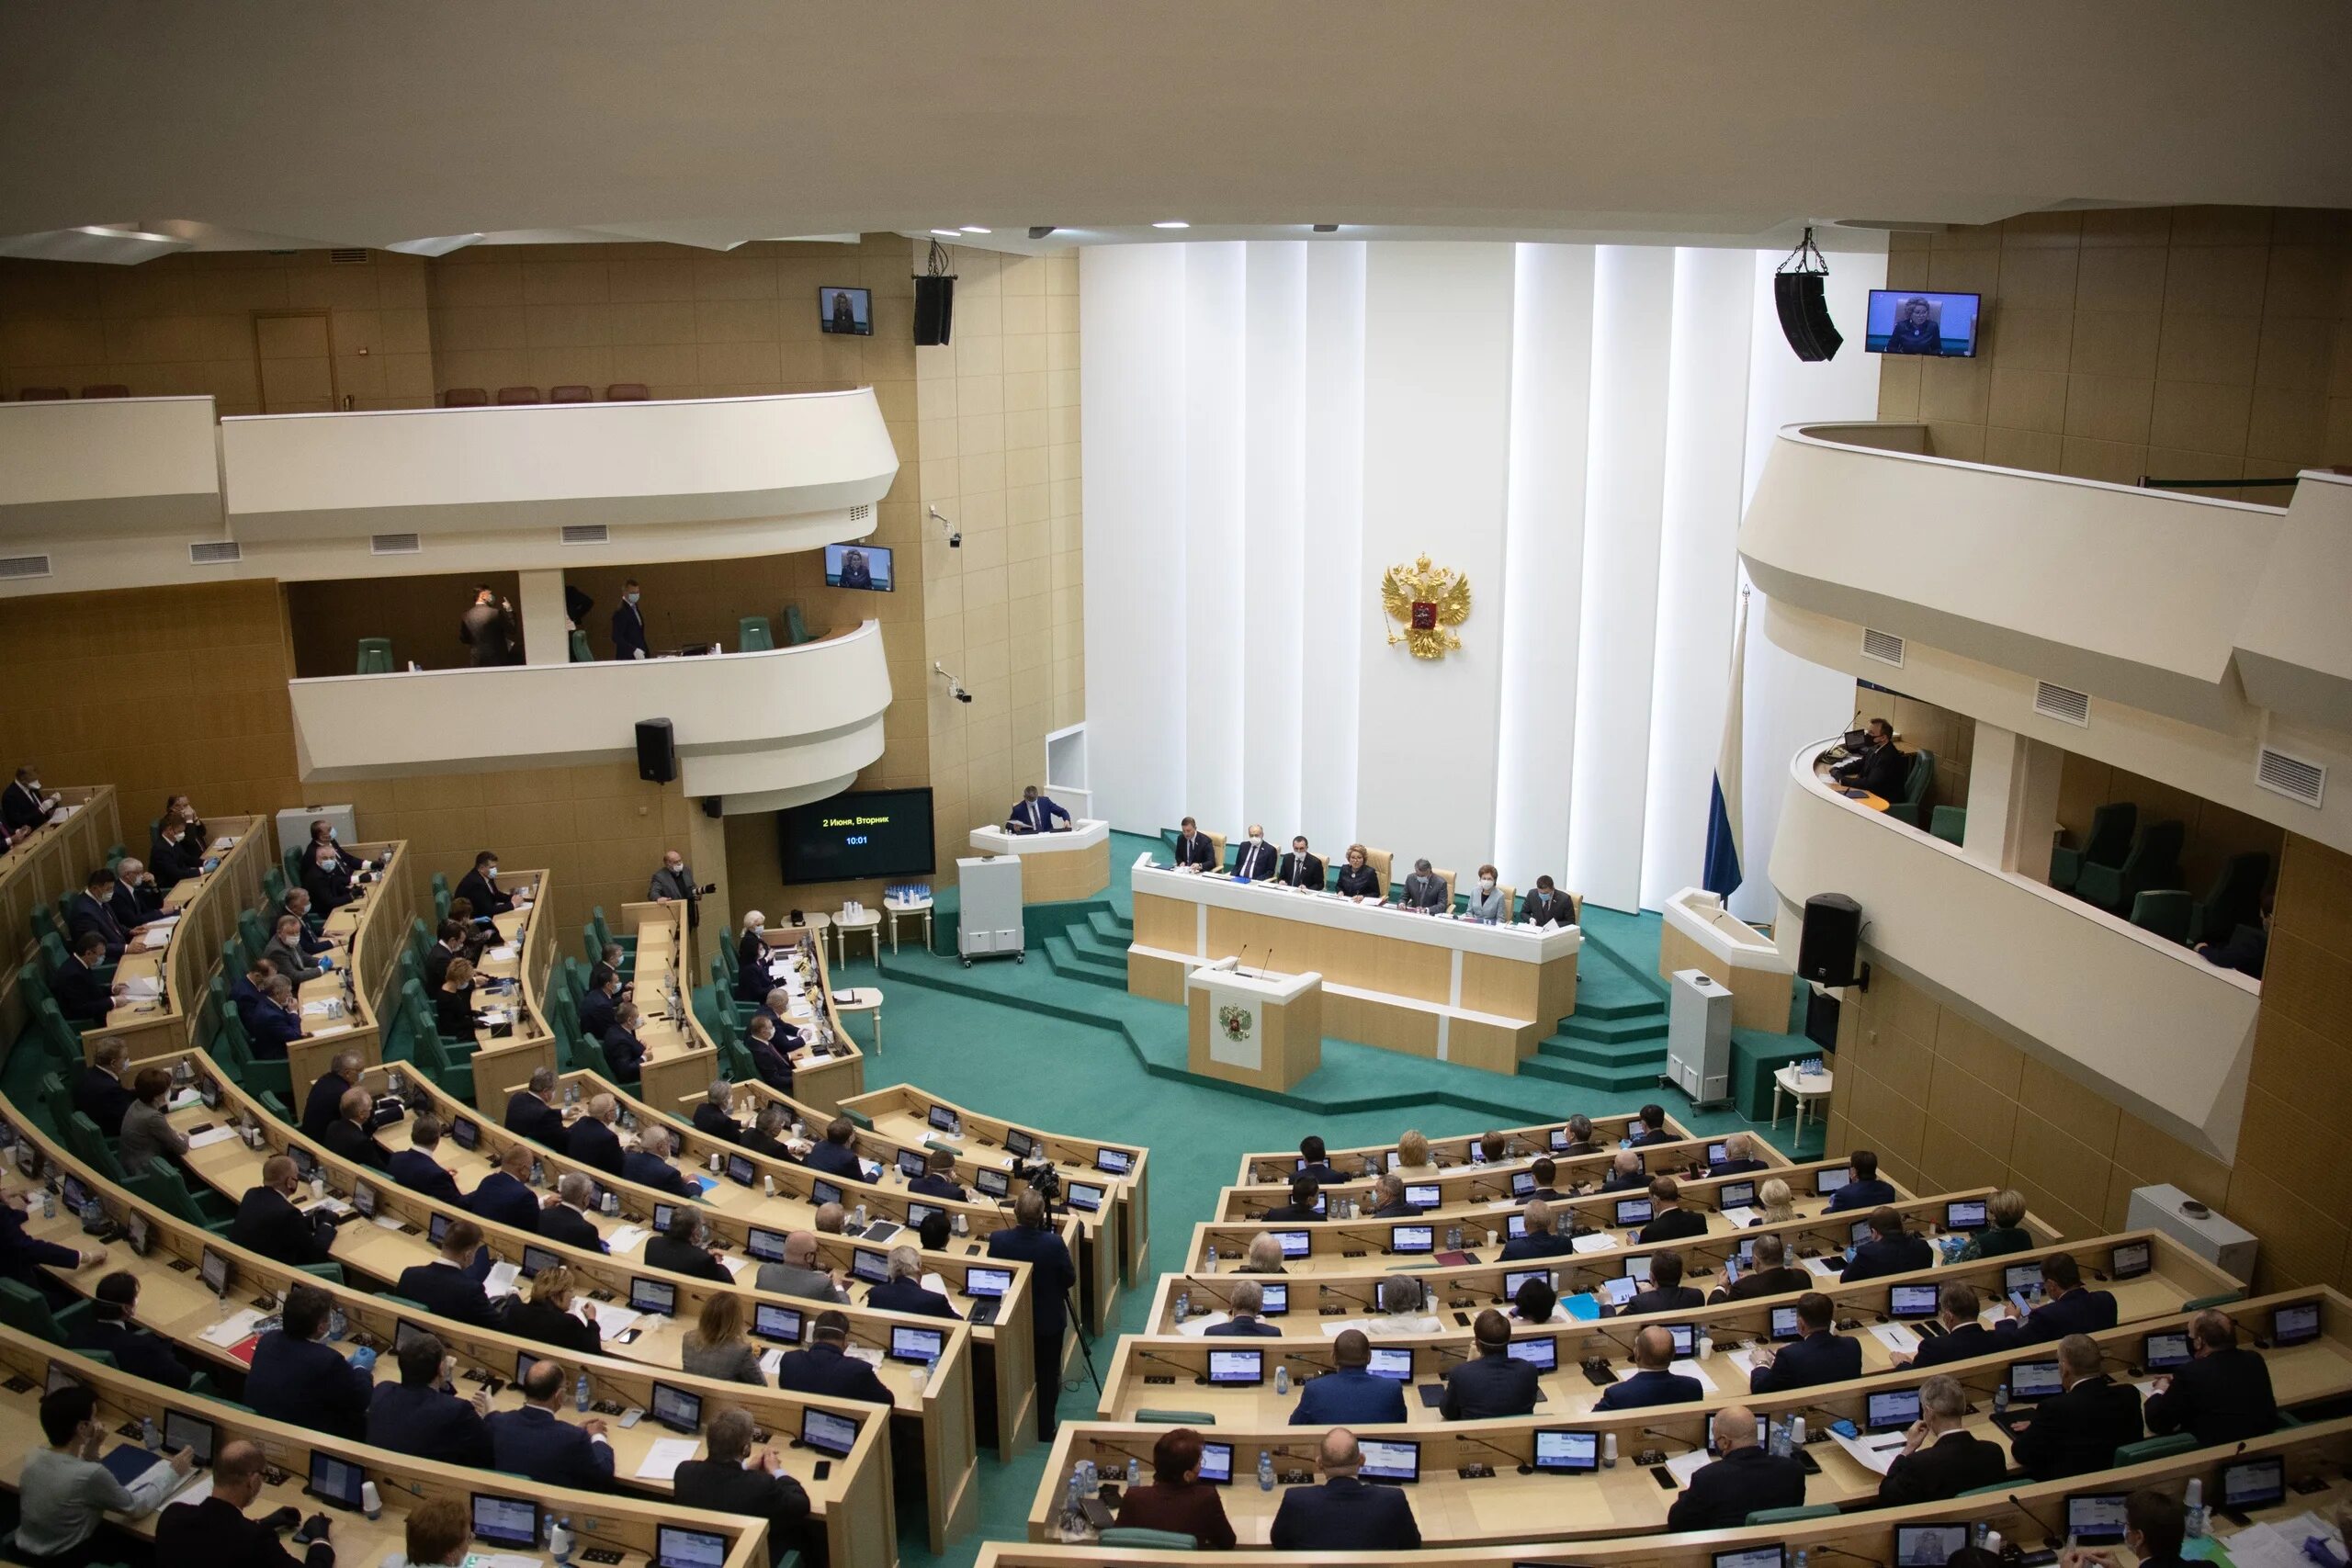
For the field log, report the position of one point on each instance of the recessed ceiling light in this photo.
(973, 229)
(1172, 223)
(949, 233)
(1327, 228)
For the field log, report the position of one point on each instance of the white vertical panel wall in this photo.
(1270, 426)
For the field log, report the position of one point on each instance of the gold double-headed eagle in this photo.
(1427, 600)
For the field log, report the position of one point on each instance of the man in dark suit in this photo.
(1388, 1198)
(1880, 767)
(532, 1442)
(1864, 1190)
(173, 856)
(505, 1196)
(1820, 1356)
(323, 1107)
(622, 1050)
(98, 1091)
(113, 1327)
(1243, 1302)
(1963, 1337)
(215, 1532)
(674, 884)
(837, 1156)
(479, 889)
(1489, 1384)
(1547, 905)
(1670, 1221)
(825, 1366)
(91, 910)
(904, 1289)
(754, 979)
(1739, 1157)
(350, 1138)
(326, 879)
(2222, 1397)
(1651, 1129)
(135, 901)
(769, 1062)
(1035, 813)
(22, 804)
(679, 1250)
(565, 1220)
(1194, 847)
(600, 1004)
(1940, 1459)
(1892, 1249)
(1540, 1241)
(448, 944)
(450, 1286)
(1626, 1173)
(1768, 1277)
(1318, 1162)
(1652, 1383)
(82, 995)
(1031, 1239)
(421, 1415)
(269, 1223)
(1254, 858)
(2080, 1430)
(731, 1481)
(488, 629)
(415, 1167)
(1425, 889)
(2067, 1307)
(1301, 1207)
(531, 1112)
(276, 1022)
(1667, 1293)
(1578, 1129)
(591, 1141)
(629, 625)
(1747, 1477)
(938, 1180)
(1543, 1170)
(711, 1118)
(1348, 1393)
(1300, 869)
(648, 1165)
(298, 1377)
(1343, 1513)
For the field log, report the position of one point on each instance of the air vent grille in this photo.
(860, 513)
(393, 544)
(351, 256)
(224, 552)
(586, 533)
(18, 568)
(2058, 703)
(2290, 776)
(1884, 647)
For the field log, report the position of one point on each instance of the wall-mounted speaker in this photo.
(657, 751)
(935, 309)
(713, 805)
(1804, 315)
(1832, 942)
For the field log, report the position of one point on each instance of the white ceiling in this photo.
(721, 120)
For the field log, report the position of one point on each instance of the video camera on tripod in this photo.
(1042, 1178)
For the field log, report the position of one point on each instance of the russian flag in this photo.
(1721, 871)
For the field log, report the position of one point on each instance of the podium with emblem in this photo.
(1256, 1027)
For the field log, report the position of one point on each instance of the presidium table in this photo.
(1072, 862)
(1424, 984)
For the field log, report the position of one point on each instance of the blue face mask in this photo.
(631, 598)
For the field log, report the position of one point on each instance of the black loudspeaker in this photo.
(935, 309)
(657, 752)
(1832, 941)
(1804, 315)
(713, 805)
(1821, 1018)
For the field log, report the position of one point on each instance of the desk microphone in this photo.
(1169, 1361)
(1270, 956)
(1237, 957)
(2050, 1537)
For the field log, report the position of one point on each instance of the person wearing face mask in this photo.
(1547, 905)
(1300, 869)
(1255, 858)
(480, 888)
(23, 806)
(322, 837)
(674, 884)
(1036, 814)
(135, 901)
(629, 625)
(173, 856)
(1425, 889)
(752, 978)
(325, 878)
(1488, 903)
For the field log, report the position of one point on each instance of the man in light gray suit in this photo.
(798, 1275)
(673, 884)
(1424, 889)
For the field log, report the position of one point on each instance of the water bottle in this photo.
(93, 1215)
(1281, 1380)
(148, 1437)
(800, 1128)
(560, 1543)
(393, 1081)
(1212, 1268)
(572, 1094)
(318, 1187)
(1265, 1469)
(1183, 1305)
(2000, 1399)
(1977, 1532)
(1135, 1471)
(612, 1204)
(581, 1397)
(49, 1203)
(767, 1188)
(861, 1216)
(1802, 1558)
(1453, 1237)
(2193, 1508)
(1071, 1516)
(337, 1323)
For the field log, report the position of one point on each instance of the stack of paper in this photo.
(500, 1281)
(612, 1322)
(1739, 1218)
(1682, 1467)
(1599, 1241)
(230, 1329)
(867, 1354)
(628, 1238)
(210, 1136)
(1898, 1337)
(662, 1458)
(738, 1267)
(1875, 1453)
(154, 937)
(143, 988)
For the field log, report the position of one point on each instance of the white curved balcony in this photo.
(2144, 1021)
(784, 722)
(117, 467)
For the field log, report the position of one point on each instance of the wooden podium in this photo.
(1265, 1031)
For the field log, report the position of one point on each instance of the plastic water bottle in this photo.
(1801, 1559)
(1212, 1268)
(1135, 1471)
(2001, 1398)
(94, 1214)
(559, 1543)
(337, 1323)
(581, 1395)
(1071, 1516)
(1183, 1305)
(1281, 1380)
(612, 1202)
(1976, 1534)
(1453, 1237)
(2193, 1508)
(861, 1216)
(148, 1437)
(49, 1203)
(1265, 1469)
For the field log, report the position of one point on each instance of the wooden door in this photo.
(294, 351)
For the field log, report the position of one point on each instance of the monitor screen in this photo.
(674, 1546)
(765, 1245)
(917, 1212)
(536, 1259)
(944, 1119)
(1393, 1460)
(874, 1268)
(658, 1296)
(1018, 1144)
(215, 1271)
(823, 1192)
(1927, 1546)
(1477, 1153)
(2021, 1278)
(1227, 1368)
(467, 1132)
(780, 1324)
(2096, 1518)
(304, 1166)
(76, 1196)
(1423, 1194)
(1748, 1253)
(979, 1281)
(1217, 1463)
(337, 1480)
(1411, 1238)
(2132, 1259)
(1541, 1352)
(1749, 1557)
(1521, 1183)
(60, 1376)
(436, 1227)
(182, 1430)
(134, 1229)
(1857, 1232)
(523, 1360)
(841, 309)
(1089, 1199)
(662, 1215)
(405, 1334)
(1684, 1334)
(1633, 1210)
(1295, 1244)
(828, 1433)
(1560, 1139)
(507, 1521)
(1965, 1215)
(1717, 1154)
(859, 566)
(2035, 1380)
(363, 1198)
(1735, 1195)
(1516, 1225)
(2295, 1324)
(2161, 1352)
(1567, 1453)
(1639, 1269)
(1785, 1324)
(1388, 1361)
(1912, 1300)
(912, 1164)
(1618, 1292)
(1516, 1279)
(2253, 1483)
(1114, 1162)
(1896, 1407)
(1919, 321)
(676, 1408)
(1277, 1300)
(1829, 1178)
(925, 1345)
(849, 838)
(740, 1170)
(995, 1183)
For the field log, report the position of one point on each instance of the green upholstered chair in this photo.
(2235, 899)
(2163, 912)
(2107, 843)
(2148, 1448)
(1148, 1541)
(2220, 1299)
(1911, 809)
(581, 652)
(1175, 1417)
(795, 626)
(2154, 862)
(752, 636)
(1791, 1516)
(375, 656)
(1948, 823)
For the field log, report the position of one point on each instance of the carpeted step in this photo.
(1577, 1026)
(1598, 1053)
(1628, 1007)
(1620, 1079)
(1111, 926)
(1089, 943)
(1070, 964)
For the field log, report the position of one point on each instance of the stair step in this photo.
(1619, 1080)
(1090, 943)
(1111, 926)
(1067, 961)
(1653, 1008)
(1609, 1030)
(1598, 1053)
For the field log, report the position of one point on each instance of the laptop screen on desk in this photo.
(1411, 1238)
(1567, 1453)
(1217, 1463)
(1633, 1210)
(1387, 1361)
(1398, 1461)
(507, 1521)
(1295, 1244)
(1964, 1214)
(1276, 1300)
(1735, 1195)
(1826, 1182)
(1927, 1546)
(780, 1324)
(1227, 1368)
(1541, 1351)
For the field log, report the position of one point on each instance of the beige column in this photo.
(705, 847)
(2012, 801)
(546, 636)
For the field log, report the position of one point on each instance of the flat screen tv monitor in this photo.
(2096, 1518)
(1397, 1462)
(859, 566)
(2030, 1380)
(828, 1433)
(1423, 1194)
(765, 1245)
(917, 1212)
(874, 1268)
(854, 837)
(923, 1345)
(849, 312)
(536, 1261)
(2253, 1483)
(1737, 1195)
(1828, 1180)
(1927, 1546)
(1965, 1215)
(1411, 1238)
(986, 1282)
(1391, 1362)
(675, 1547)
(1087, 1198)
(656, 1296)
(1567, 1453)
(995, 1183)
(1295, 1244)
(1515, 1225)
(780, 1324)
(1517, 1279)
(2295, 1324)
(2163, 1351)
(1912, 1300)
(193, 1433)
(507, 1521)
(1217, 1463)
(1921, 321)
(1617, 1292)
(1892, 1410)
(1685, 1338)
(1785, 1324)
(2132, 1259)
(1231, 1368)
(1633, 1211)
(1276, 1300)
(335, 1479)
(1541, 1352)
(1114, 1162)
(1751, 1556)
(676, 1408)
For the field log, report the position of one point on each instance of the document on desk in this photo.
(210, 1137)
(664, 1458)
(1193, 1327)
(503, 954)
(771, 1362)
(500, 1281)
(628, 1239)
(936, 1285)
(1899, 1337)
(612, 1322)
(868, 1354)
(1744, 1360)
(738, 1267)
(1875, 1452)
(1599, 1241)
(1682, 1467)
(154, 937)
(1739, 1218)
(230, 1329)
(144, 988)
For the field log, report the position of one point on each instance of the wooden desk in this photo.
(49, 863)
(825, 1082)
(1055, 867)
(1699, 933)
(526, 952)
(207, 905)
(1423, 985)
(368, 934)
(1522, 1143)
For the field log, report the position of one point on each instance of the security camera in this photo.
(962, 695)
(954, 687)
(954, 538)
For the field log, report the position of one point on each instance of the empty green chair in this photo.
(2166, 912)
(581, 652)
(440, 897)
(2234, 901)
(1175, 1417)
(375, 656)
(752, 636)
(2148, 1448)
(26, 1310)
(2154, 862)
(273, 886)
(1911, 809)
(2107, 843)
(795, 626)
(1143, 1539)
(1948, 823)
(1791, 1516)
(2220, 1299)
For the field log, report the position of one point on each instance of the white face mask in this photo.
(630, 598)
(488, 871)
(673, 867)
(1257, 837)
(325, 862)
